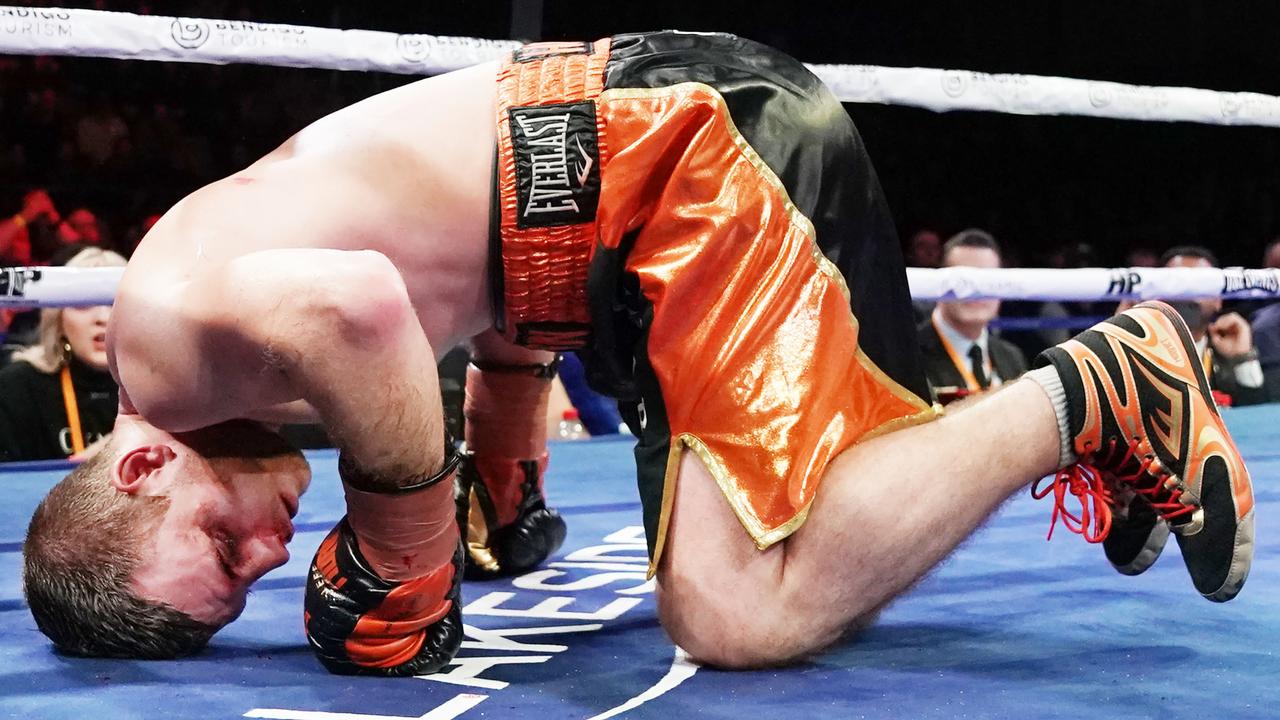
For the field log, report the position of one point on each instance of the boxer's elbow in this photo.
(363, 301)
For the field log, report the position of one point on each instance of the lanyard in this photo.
(73, 411)
(962, 367)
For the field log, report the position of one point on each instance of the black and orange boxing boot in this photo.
(1138, 533)
(1143, 427)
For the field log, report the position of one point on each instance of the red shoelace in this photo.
(1163, 499)
(1094, 490)
(1085, 482)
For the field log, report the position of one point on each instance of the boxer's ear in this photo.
(138, 468)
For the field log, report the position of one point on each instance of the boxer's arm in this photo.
(520, 429)
(371, 377)
(298, 412)
(332, 328)
(510, 529)
(351, 347)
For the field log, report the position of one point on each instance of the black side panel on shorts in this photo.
(648, 421)
(803, 133)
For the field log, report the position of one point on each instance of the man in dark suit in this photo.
(961, 355)
(1265, 325)
(1224, 340)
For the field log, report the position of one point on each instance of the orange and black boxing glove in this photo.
(358, 622)
(510, 529)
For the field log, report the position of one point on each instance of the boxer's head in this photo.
(970, 248)
(150, 547)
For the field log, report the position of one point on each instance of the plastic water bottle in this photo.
(571, 426)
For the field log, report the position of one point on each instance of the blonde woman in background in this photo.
(57, 399)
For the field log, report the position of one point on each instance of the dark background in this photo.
(1040, 184)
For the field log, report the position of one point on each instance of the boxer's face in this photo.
(228, 519)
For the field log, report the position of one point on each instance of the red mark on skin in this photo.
(242, 180)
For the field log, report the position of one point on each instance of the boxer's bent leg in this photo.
(887, 511)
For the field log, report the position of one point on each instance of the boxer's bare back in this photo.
(407, 174)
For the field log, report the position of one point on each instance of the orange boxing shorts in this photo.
(696, 216)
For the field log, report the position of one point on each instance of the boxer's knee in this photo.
(735, 627)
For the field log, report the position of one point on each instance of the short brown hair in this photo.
(78, 564)
(974, 238)
(1194, 251)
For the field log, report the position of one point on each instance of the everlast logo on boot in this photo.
(557, 164)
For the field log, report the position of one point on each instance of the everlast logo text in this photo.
(557, 164)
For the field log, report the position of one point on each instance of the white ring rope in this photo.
(125, 36)
(95, 33)
(967, 283)
(60, 287)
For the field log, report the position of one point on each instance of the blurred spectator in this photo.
(961, 355)
(1271, 256)
(16, 232)
(40, 129)
(101, 132)
(1142, 257)
(57, 399)
(924, 249)
(80, 227)
(1265, 325)
(1224, 340)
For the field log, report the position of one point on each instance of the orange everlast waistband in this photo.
(548, 187)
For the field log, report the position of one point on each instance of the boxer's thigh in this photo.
(720, 598)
